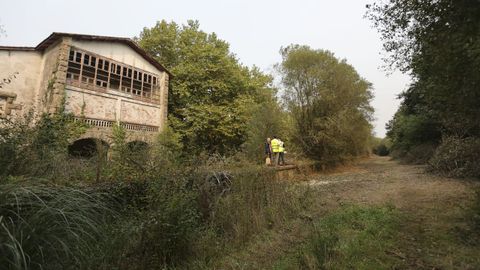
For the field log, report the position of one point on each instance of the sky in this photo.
(255, 30)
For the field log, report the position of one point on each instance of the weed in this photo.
(352, 238)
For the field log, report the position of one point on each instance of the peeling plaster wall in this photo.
(113, 106)
(90, 104)
(19, 74)
(146, 114)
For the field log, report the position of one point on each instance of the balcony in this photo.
(90, 71)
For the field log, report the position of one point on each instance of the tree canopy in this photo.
(438, 43)
(212, 94)
(328, 101)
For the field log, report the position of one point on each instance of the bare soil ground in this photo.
(434, 233)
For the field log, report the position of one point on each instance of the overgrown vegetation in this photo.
(153, 205)
(353, 237)
(381, 147)
(438, 43)
(51, 227)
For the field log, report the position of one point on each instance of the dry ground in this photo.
(434, 233)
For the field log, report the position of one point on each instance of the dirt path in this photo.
(433, 234)
(433, 207)
(381, 180)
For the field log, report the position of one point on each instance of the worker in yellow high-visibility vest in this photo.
(275, 143)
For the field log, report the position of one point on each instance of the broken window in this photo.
(94, 70)
(88, 71)
(115, 76)
(147, 85)
(74, 66)
(102, 73)
(126, 80)
(137, 83)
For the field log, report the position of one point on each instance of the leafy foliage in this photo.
(328, 101)
(29, 149)
(381, 147)
(212, 94)
(438, 42)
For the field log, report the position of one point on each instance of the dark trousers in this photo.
(281, 158)
(276, 158)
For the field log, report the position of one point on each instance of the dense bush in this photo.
(36, 150)
(457, 157)
(381, 147)
(153, 206)
(417, 154)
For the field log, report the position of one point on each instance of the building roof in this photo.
(55, 36)
(16, 48)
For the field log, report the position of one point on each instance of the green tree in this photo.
(329, 103)
(212, 94)
(438, 43)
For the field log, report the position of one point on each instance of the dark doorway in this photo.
(88, 148)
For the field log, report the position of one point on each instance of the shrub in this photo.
(170, 221)
(419, 154)
(36, 150)
(381, 147)
(457, 157)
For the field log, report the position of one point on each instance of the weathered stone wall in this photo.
(164, 97)
(53, 76)
(19, 75)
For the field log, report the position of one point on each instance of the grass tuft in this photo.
(45, 227)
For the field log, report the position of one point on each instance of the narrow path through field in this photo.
(434, 230)
(381, 180)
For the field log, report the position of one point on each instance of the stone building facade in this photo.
(101, 80)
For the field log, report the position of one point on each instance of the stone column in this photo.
(60, 76)
(164, 99)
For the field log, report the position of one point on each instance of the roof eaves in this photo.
(16, 48)
(56, 35)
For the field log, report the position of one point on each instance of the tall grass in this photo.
(46, 227)
(157, 208)
(352, 238)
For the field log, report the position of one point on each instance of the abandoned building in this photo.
(100, 80)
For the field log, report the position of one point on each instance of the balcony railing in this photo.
(109, 123)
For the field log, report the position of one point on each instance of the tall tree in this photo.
(438, 43)
(211, 94)
(329, 103)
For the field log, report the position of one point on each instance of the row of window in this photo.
(94, 70)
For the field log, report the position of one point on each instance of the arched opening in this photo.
(88, 148)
